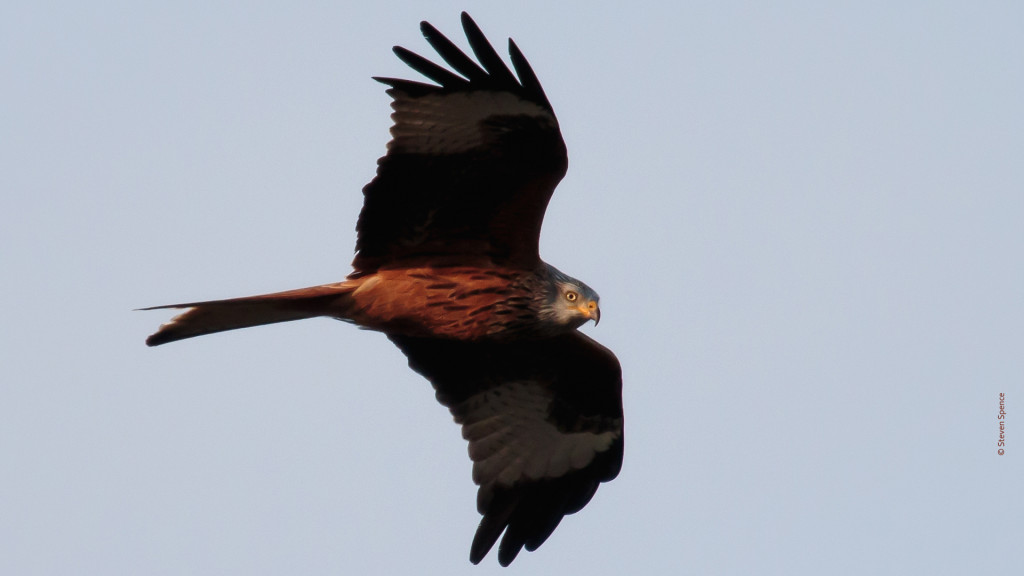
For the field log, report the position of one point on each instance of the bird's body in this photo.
(447, 266)
(459, 303)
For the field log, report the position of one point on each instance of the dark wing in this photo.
(544, 424)
(471, 165)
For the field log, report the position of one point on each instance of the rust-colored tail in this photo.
(220, 315)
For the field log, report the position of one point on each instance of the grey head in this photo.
(568, 303)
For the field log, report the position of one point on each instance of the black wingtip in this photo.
(488, 71)
(507, 555)
(527, 77)
(486, 54)
(469, 26)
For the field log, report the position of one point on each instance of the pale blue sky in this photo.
(804, 220)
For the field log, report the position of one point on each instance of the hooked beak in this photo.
(591, 311)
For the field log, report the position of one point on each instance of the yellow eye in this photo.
(571, 296)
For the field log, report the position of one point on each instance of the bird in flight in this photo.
(447, 266)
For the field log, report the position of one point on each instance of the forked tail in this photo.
(220, 315)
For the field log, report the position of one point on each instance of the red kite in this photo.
(447, 266)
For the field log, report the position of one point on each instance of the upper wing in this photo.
(471, 165)
(544, 424)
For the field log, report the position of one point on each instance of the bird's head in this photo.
(571, 302)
